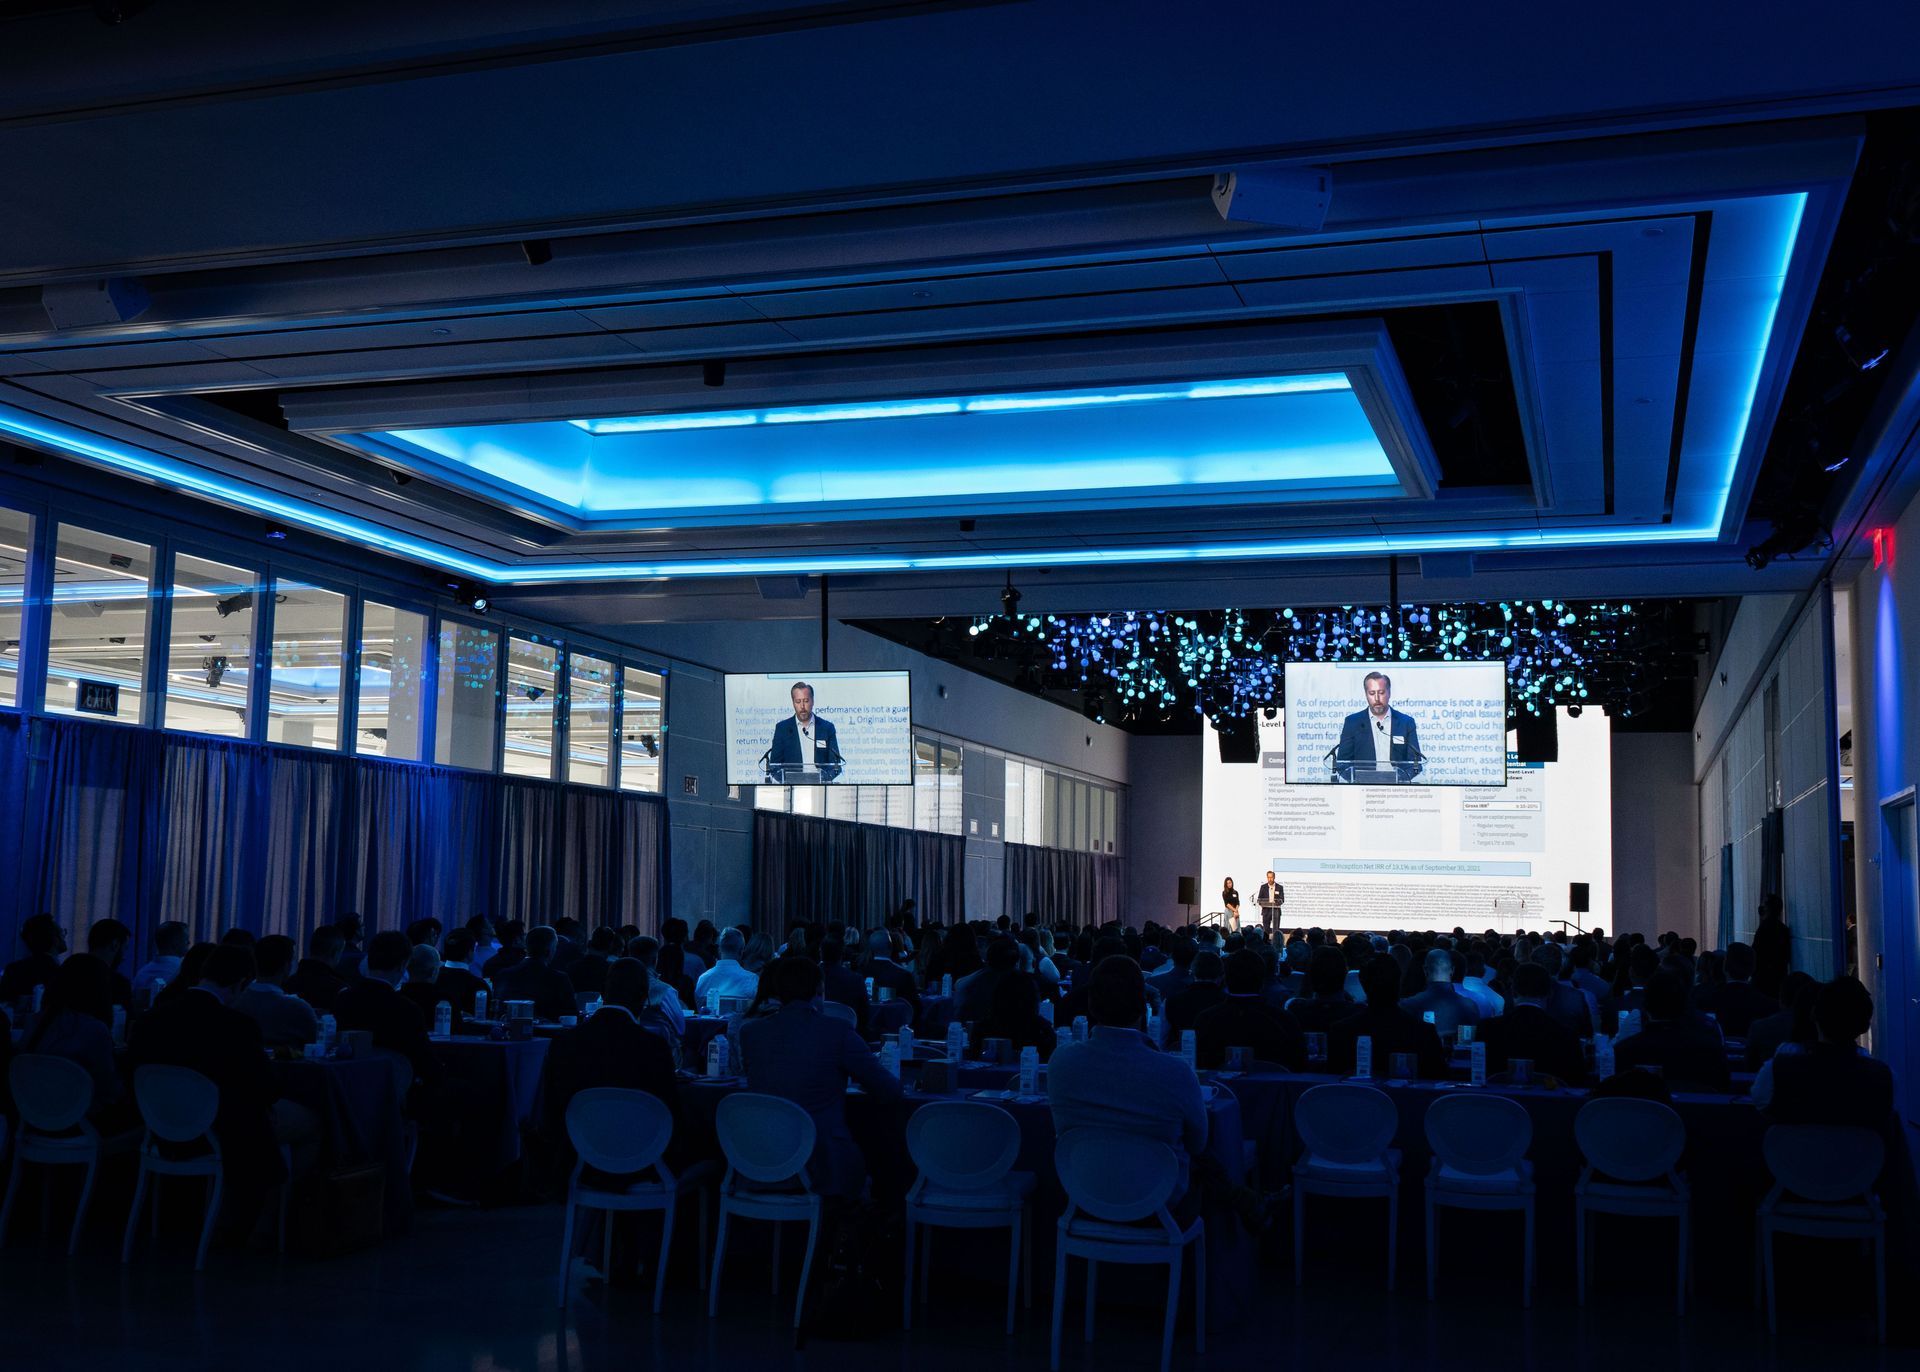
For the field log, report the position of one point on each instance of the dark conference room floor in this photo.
(472, 1291)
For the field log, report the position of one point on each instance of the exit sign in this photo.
(97, 698)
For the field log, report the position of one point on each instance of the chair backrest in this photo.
(1633, 1140)
(1114, 1175)
(1824, 1162)
(889, 1017)
(52, 1094)
(1345, 1123)
(963, 1145)
(765, 1138)
(833, 1009)
(177, 1103)
(617, 1130)
(1479, 1135)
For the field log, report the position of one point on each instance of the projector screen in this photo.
(819, 728)
(1414, 857)
(1398, 723)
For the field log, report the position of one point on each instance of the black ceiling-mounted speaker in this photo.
(1189, 891)
(1576, 897)
(1536, 738)
(1239, 739)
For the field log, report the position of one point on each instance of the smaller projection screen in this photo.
(1397, 723)
(819, 729)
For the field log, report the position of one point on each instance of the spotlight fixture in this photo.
(216, 670)
(535, 692)
(1575, 711)
(537, 251)
(1010, 598)
(1268, 712)
(276, 533)
(713, 374)
(474, 600)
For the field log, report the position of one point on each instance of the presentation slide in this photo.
(1397, 723)
(819, 729)
(1414, 857)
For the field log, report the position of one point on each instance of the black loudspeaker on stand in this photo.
(1577, 897)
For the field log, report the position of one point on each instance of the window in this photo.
(97, 635)
(1036, 805)
(16, 545)
(926, 784)
(210, 647)
(392, 682)
(532, 675)
(1111, 800)
(303, 680)
(950, 792)
(1013, 821)
(642, 728)
(589, 720)
(468, 696)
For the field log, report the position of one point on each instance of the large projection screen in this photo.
(1415, 857)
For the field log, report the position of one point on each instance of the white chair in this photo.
(53, 1096)
(622, 1133)
(833, 1009)
(767, 1142)
(1633, 1149)
(1117, 1187)
(1823, 1188)
(179, 1106)
(1479, 1162)
(965, 1152)
(1348, 1132)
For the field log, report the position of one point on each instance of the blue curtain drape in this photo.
(148, 826)
(1062, 886)
(1726, 934)
(835, 870)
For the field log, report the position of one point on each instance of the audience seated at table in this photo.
(109, 940)
(703, 948)
(76, 1022)
(284, 1019)
(843, 985)
(670, 968)
(534, 978)
(959, 956)
(1528, 1031)
(1631, 976)
(170, 943)
(973, 995)
(589, 971)
(1735, 1003)
(352, 932)
(374, 1003)
(1682, 1043)
(1392, 1029)
(457, 983)
(1830, 1081)
(1791, 1023)
(425, 931)
(1289, 974)
(727, 979)
(422, 984)
(44, 942)
(1449, 1006)
(316, 979)
(611, 1048)
(1772, 946)
(512, 951)
(191, 968)
(1015, 1016)
(673, 934)
(806, 1056)
(665, 1013)
(1327, 1002)
(1475, 988)
(1201, 993)
(1569, 1004)
(888, 974)
(1244, 1019)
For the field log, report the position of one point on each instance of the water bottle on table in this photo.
(890, 1057)
(956, 1042)
(480, 1005)
(1363, 1056)
(443, 1019)
(905, 1041)
(1188, 1048)
(946, 984)
(1079, 1028)
(1029, 1072)
(717, 1056)
(329, 1032)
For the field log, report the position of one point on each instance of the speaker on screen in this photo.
(1189, 891)
(1239, 739)
(1577, 897)
(1537, 737)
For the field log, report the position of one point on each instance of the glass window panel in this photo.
(303, 682)
(532, 674)
(808, 800)
(843, 802)
(900, 806)
(97, 630)
(16, 545)
(466, 697)
(210, 647)
(950, 792)
(926, 784)
(1112, 807)
(392, 679)
(1050, 835)
(589, 720)
(1013, 823)
(1036, 806)
(873, 804)
(770, 798)
(642, 729)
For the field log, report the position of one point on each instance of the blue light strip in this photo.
(139, 462)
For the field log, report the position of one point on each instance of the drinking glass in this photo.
(1404, 1066)
(1316, 1048)
(1520, 1071)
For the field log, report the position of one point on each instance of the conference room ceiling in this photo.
(1560, 366)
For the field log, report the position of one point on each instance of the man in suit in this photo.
(283, 1019)
(610, 1048)
(422, 985)
(1392, 1029)
(1528, 1031)
(201, 1030)
(1177, 975)
(317, 979)
(1380, 733)
(1737, 1004)
(534, 979)
(44, 942)
(804, 739)
(1830, 1081)
(1326, 1002)
(457, 982)
(1449, 1007)
(888, 973)
(1686, 1048)
(511, 953)
(170, 944)
(1569, 1004)
(108, 940)
(807, 1057)
(1270, 897)
(973, 995)
(374, 1003)
(1245, 1020)
(589, 971)
(842, 984)
(1200, 996)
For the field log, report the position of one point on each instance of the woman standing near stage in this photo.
(1230, 901)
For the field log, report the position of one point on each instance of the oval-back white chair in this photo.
(179, 1106)
(1479, 1162)
(767, 1141)
(833, 1009)
(52, 1096)
(1632, 1150)
(1347, 1132)
(1824, 1176)
(965, 1151)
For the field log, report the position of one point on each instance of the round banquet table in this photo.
(502, 1079)
(359, 1103)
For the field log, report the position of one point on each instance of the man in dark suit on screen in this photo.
(1380, 733)
(804, 739)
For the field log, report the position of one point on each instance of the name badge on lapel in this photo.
(1399, 738)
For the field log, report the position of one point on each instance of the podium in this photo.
(1372, 773)
(801, 774)
(1269, 913)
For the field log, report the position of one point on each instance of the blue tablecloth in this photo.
(359, 1103)
(503, 1079)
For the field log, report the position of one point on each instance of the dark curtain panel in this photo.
(833, 870)
(1062, 886)
(148, 826)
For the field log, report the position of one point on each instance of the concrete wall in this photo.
(1656, 838)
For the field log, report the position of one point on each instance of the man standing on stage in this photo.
(1272, 896)
(1380, 733)
(804, 739)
